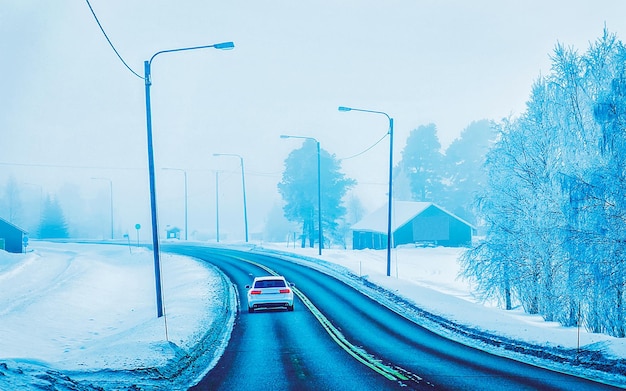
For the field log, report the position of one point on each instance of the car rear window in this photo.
(270, 284)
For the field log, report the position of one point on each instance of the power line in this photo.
(266, 174)
(67, 166)
(111, 43)
(367, 149)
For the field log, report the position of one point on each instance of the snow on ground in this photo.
(429, 278)
(87, 308)
(80, 310)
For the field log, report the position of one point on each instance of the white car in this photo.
(270, 292)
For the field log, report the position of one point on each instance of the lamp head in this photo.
(224, 46)
(343, 108)
(284, 136)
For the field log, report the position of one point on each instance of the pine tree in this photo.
(422, 161)
(52, 225)
(299, 190)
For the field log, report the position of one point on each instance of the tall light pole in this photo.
(319, 189)
(389, 233)
(153, 204)
(185, 175)
(243, 186)
(217, 206)
(111, 200)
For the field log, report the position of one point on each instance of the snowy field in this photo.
(83, 309)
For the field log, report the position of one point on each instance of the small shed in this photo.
(411, 222)
(11, 237)
(172, 232)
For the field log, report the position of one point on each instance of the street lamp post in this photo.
(153, 204)
(217, 206)
(185, 175)
(243, 186)
(389, 233)
(319, 189)
(110, 199)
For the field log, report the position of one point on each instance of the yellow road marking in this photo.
(356, 352)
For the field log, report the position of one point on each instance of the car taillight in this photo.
(285, 290)
(255, 292)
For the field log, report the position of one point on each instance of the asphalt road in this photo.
(276, 349)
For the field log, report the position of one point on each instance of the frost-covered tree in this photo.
(554, 202)
(277, 227)
(465, 175)
(518, 177)
(422, 161)
(354, 213)
(299, 191)
(12, 202)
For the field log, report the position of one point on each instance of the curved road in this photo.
(277, 349)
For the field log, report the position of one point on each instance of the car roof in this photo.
(269, 278)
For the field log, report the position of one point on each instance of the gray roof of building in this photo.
(401, 213)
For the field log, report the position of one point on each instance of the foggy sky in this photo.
(71, 111)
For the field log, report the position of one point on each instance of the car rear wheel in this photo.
(250, 309)
(290, 308)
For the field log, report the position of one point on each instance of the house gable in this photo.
(412, 222)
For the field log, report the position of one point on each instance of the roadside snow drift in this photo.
(90, 308)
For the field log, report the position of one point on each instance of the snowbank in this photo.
(89, 309)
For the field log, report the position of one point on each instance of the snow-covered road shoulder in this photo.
(89, 310)
(425, 287)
